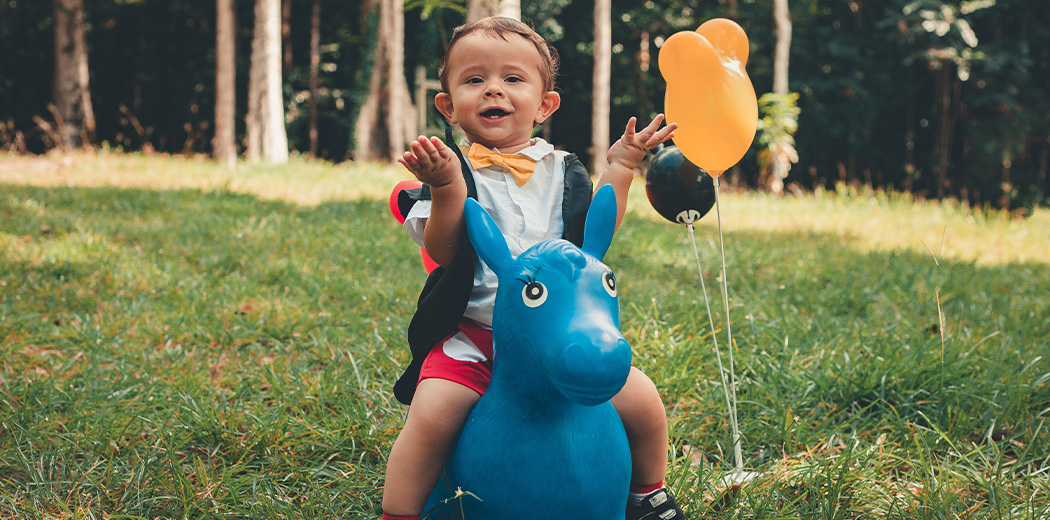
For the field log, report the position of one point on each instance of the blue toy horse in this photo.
(544, 442)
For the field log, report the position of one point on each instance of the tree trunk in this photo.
(600, 92)
(365, 142)
(224, 144)
(71, 91)
(266, 132)
(782, 51)
(286, 33)
(397, 87)
(478, 9)
(1044, 162)
(947, 84)
(256, 79)
(781, 57)
(644, 60)
(387, 118)
(315, 65)
(510, 9)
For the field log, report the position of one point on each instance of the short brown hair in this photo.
(501, 27)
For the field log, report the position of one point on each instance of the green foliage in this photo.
(949, 37)
(191, 347)
(776, 133)
(428, 7)
(544, 17)
(866, 73)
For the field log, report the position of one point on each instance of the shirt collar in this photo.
(537, 149)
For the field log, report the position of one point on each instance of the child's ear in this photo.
(551, 102)
(443, 102)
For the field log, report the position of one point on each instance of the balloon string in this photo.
(737, 449)
(718, 353)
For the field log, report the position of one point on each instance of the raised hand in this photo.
(630, 149)
(432, 162)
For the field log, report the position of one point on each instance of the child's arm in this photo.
(625, 155)
(435, 164)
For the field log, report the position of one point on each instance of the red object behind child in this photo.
(428, 263)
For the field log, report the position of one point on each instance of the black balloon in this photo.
(678, 190)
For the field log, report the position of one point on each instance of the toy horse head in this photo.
(557, 317)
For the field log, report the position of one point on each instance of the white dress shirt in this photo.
(526, 215)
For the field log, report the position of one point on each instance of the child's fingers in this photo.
(439, 145)
(410, 159)
(665, 133)
(426, 145)
(654, 125)
(655, 135)
(628, 132)
(434, 151)
(426, 153)
(417, 150)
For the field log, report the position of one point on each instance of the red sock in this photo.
(388, 516)
(642, 490)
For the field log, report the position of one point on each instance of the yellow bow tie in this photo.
(520, 166)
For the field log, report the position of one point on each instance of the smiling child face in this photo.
(496, 90)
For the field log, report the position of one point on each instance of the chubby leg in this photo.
(645, 420)
(439, 410)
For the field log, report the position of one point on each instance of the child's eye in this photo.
(475, 80)
(513, 79)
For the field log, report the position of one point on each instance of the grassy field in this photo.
(180, 341)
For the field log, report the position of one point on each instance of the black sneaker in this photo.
(658, 505)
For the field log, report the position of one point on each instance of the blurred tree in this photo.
(478, 9)
(387, 118)
(224, 143)
(947, 44)
(315, 65)
(286, 35)
(265, 122)
(779, 110)
(600, 85)
(845, 63)
(776, 128)
(71, 92)
(1004, 147)
(871, 105)
(345, 53)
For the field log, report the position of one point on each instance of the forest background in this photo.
(179, 340)
(942, 99)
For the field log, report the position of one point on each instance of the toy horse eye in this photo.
(609, 282)
(534, 294)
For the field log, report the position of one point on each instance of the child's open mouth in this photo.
(494, 113)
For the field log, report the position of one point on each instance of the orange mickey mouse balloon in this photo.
(709, 94)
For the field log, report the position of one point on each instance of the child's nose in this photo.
(494, 91)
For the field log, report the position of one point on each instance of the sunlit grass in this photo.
(301, 181)
(879, 221)
(182, 341)
(868, 221)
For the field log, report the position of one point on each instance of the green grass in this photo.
(179, 341)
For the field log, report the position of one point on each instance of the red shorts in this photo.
(464, 357)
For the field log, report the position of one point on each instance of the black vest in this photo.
(447, 290)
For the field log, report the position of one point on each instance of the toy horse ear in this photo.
(600, 225)
(487, 238)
